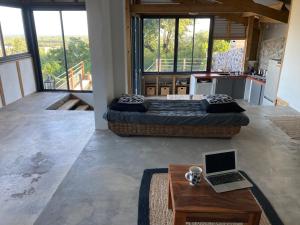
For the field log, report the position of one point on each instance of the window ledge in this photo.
(12, 58)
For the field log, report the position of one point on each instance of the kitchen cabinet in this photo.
(247, 89)
(256, 93)
(224, 86)
(238, 88)
(233, 87)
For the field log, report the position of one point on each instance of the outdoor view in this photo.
(159, 42)
(13, 31)
(64, 69)
(228, 55)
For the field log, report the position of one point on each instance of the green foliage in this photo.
(221, 46)
(52, 54)
(15, 45)
(78, 50)
(153, 47)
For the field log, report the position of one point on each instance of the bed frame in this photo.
(131, 129)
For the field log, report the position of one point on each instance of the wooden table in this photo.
(202, 204)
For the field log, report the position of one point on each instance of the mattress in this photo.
(177, 112)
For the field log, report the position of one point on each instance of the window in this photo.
(159, 41)
(228, 55)
(175, 44)
(12, 30)
(64, 49)
(193, 41)
(77, 48)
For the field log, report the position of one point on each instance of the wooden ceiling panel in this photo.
(211, 7)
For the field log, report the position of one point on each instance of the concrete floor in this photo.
(37, 149)
(102, 185)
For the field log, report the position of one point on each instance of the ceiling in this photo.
(269, 2)
(263, 2)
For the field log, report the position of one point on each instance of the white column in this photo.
(119, 46)
(99, 24)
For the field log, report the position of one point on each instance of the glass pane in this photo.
(185, 45)
(228, 55)
(201, 38)
(12, 30)
(77, 50)
(167, 42)
(50, 42)
(151, 45)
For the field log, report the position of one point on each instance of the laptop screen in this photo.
(220, 162)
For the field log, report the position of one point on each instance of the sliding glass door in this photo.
(63, 43)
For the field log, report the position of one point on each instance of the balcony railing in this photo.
(183, 64)
(78, 79)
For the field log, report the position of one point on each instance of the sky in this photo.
(11, 21)
(47, 22)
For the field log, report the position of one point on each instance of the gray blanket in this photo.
(178, 112)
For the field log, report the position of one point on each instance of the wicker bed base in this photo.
(126, 129)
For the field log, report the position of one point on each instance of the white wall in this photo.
(10, 80)
(119, 46)
(27, 75)
(106, 33)
(289, 86)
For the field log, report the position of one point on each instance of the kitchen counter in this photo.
(217, 75)
(208, 76)
(256, 79)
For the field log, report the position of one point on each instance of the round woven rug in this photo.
(159, 214)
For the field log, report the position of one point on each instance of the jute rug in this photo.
(289, 124)
(153, 209)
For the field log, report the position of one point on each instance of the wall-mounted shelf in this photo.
(162, 85)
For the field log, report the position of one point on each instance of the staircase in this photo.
(71, 102)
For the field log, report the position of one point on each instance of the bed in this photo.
(177, 118)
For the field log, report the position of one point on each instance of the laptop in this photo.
(220, 171)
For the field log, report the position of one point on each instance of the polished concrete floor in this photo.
(102, 185)
(37, 149)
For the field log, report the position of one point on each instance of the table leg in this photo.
(169, 196)
(254, 219)
(179, 218)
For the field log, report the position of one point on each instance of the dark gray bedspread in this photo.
(177, 112)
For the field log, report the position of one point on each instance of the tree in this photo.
(221, 46)
(53, 62)
(159, 41)
(15, 45)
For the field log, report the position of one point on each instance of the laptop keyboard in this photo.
(225, 178)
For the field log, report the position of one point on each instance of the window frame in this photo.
(26, 54)
(177, 17)
(55, 7)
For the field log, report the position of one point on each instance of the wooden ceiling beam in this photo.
(184, 8)
(235, 18)
(232, 7)
(265, 11)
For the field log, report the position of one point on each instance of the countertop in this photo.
(217, 75)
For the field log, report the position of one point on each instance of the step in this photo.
(69, 104)
(82, 107)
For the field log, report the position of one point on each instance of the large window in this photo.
(64, 49)
(12, 35)
(175, 45)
